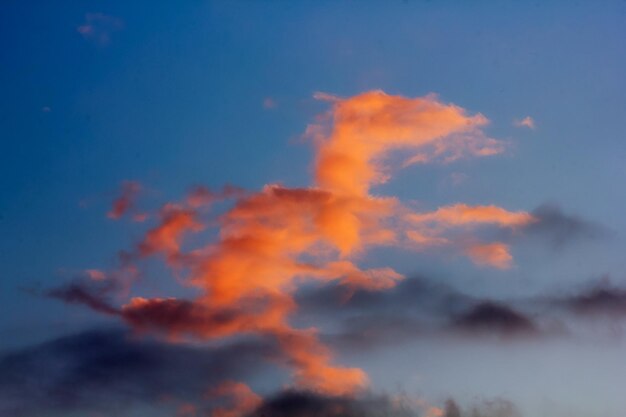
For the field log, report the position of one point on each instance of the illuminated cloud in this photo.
(99, 26)
(525, 122)
(267, 243)
(243, 400)
(462, 214)
(496, 254)
(362, 131)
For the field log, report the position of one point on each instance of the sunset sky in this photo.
(299, 209)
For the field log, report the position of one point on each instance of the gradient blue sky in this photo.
(175, 98)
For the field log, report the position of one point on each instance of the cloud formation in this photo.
(308, 404)
(559, 228)
(112, 372)
(601, 299)
(488, 317)
(270, 241)
(126, 200)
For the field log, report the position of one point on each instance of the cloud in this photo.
(497, 407)
(307, 404)
(269, 103)
(243, 400)
(92, 296)
(126, 200)
(112, 372)
(462, 214)
(416, 308)
(98, 27)
(527, 122)
(267, 243)
(559, 228)
(488, 317)
(601, 299)
(496, 254)
(412, 296)
(366, 128)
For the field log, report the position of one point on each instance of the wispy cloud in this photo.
(126, 200)
(527, 122)
(98, 27)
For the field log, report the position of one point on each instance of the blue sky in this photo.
(172, 95)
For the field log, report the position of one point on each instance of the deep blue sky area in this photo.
(176, 94)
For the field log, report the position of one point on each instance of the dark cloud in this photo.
(110, 371)
(451, 409)
(306, 404)
(416, 295)
(560, 228)
(497, 407)
(600, 299)
(93, 294)
(415, 308)
(494, 318)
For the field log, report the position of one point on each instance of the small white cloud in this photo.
(525, 122)
(99, 26)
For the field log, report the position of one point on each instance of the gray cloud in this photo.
(599, 299)
(112, 371)
(559, 228)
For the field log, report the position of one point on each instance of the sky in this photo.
(229, 209)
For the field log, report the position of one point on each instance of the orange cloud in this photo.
(495, 254)
(176, 220)
(462, 214)
(351, 152)
(268, 242)
(243, 399)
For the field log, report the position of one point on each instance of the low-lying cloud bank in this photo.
(111, 372)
